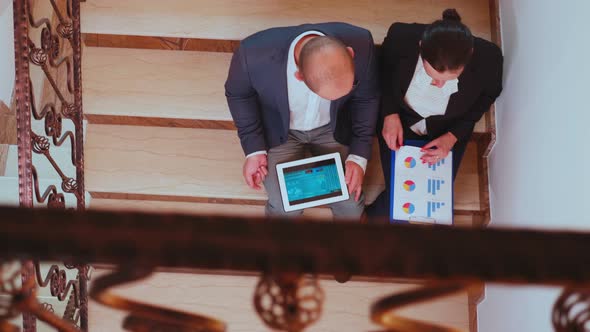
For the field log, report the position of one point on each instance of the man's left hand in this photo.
(354, 175)
(438, 148)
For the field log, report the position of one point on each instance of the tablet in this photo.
(312, 182)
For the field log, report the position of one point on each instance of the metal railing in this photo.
(48, 92)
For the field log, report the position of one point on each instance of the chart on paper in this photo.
(422, 193)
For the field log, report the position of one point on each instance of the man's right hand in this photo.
(255, 170)
(393, 132)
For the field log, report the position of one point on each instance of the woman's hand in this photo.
(393, 132)
(438, 148)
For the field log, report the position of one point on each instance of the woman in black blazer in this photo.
(437, 81)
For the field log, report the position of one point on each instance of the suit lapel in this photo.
(467, 91)
(282, 94)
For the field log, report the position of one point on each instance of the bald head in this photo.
(327, 67)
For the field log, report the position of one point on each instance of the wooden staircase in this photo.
(160, 137)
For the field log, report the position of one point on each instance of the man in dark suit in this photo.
(310, 88)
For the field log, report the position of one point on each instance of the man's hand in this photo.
(255, 170)
(353, 174)
(393, 132)
(438, 149)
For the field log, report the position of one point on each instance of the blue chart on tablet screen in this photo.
(314, 182)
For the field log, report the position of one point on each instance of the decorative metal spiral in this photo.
(384, 311)
(289, 302)
(40, 144)
(69, 110)
(571, 311)
(146, 317)
(69, 185)
(65, 30)
(50, 43)
(38, 56)
(53, 124)
(58, 282)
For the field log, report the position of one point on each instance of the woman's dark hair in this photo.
(447, 44)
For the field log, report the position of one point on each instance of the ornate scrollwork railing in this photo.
(59, 48)
(48, 60)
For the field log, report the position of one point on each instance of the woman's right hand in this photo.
(393, 132)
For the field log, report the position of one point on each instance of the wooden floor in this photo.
(229, 298)
(203, 165)
(236, 19)
(160, 88)
(181, 87)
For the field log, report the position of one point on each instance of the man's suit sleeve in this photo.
(492, 89)
(364, 107)
(242, 100)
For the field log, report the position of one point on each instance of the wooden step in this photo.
(229, 298)
(195, 208)
(166, 162)
(155, 87)
(194, 165)
(234, 20)
(159, 88)
(200, 166)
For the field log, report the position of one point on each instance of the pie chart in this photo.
(408, 208)
(410, 162)
(409, 185)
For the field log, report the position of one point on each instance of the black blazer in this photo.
(256, 89)
(479, 84)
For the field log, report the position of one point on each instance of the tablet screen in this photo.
(312, 181)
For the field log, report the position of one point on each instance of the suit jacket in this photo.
(479, 84)
(256, 89)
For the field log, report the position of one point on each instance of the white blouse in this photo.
(427, 99)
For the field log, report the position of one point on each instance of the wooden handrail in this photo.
(246, 244)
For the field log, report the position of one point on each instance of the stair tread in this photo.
(205, 163)
(234, 20)
(177, 86)
(166, 161)
(155, 83)
(150, 206)
(162, 161)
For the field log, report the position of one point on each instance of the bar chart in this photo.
(437, 164)
(434, 186)
(433, 207)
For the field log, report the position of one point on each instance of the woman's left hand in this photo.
(438, 148)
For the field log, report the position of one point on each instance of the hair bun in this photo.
(451, 14)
